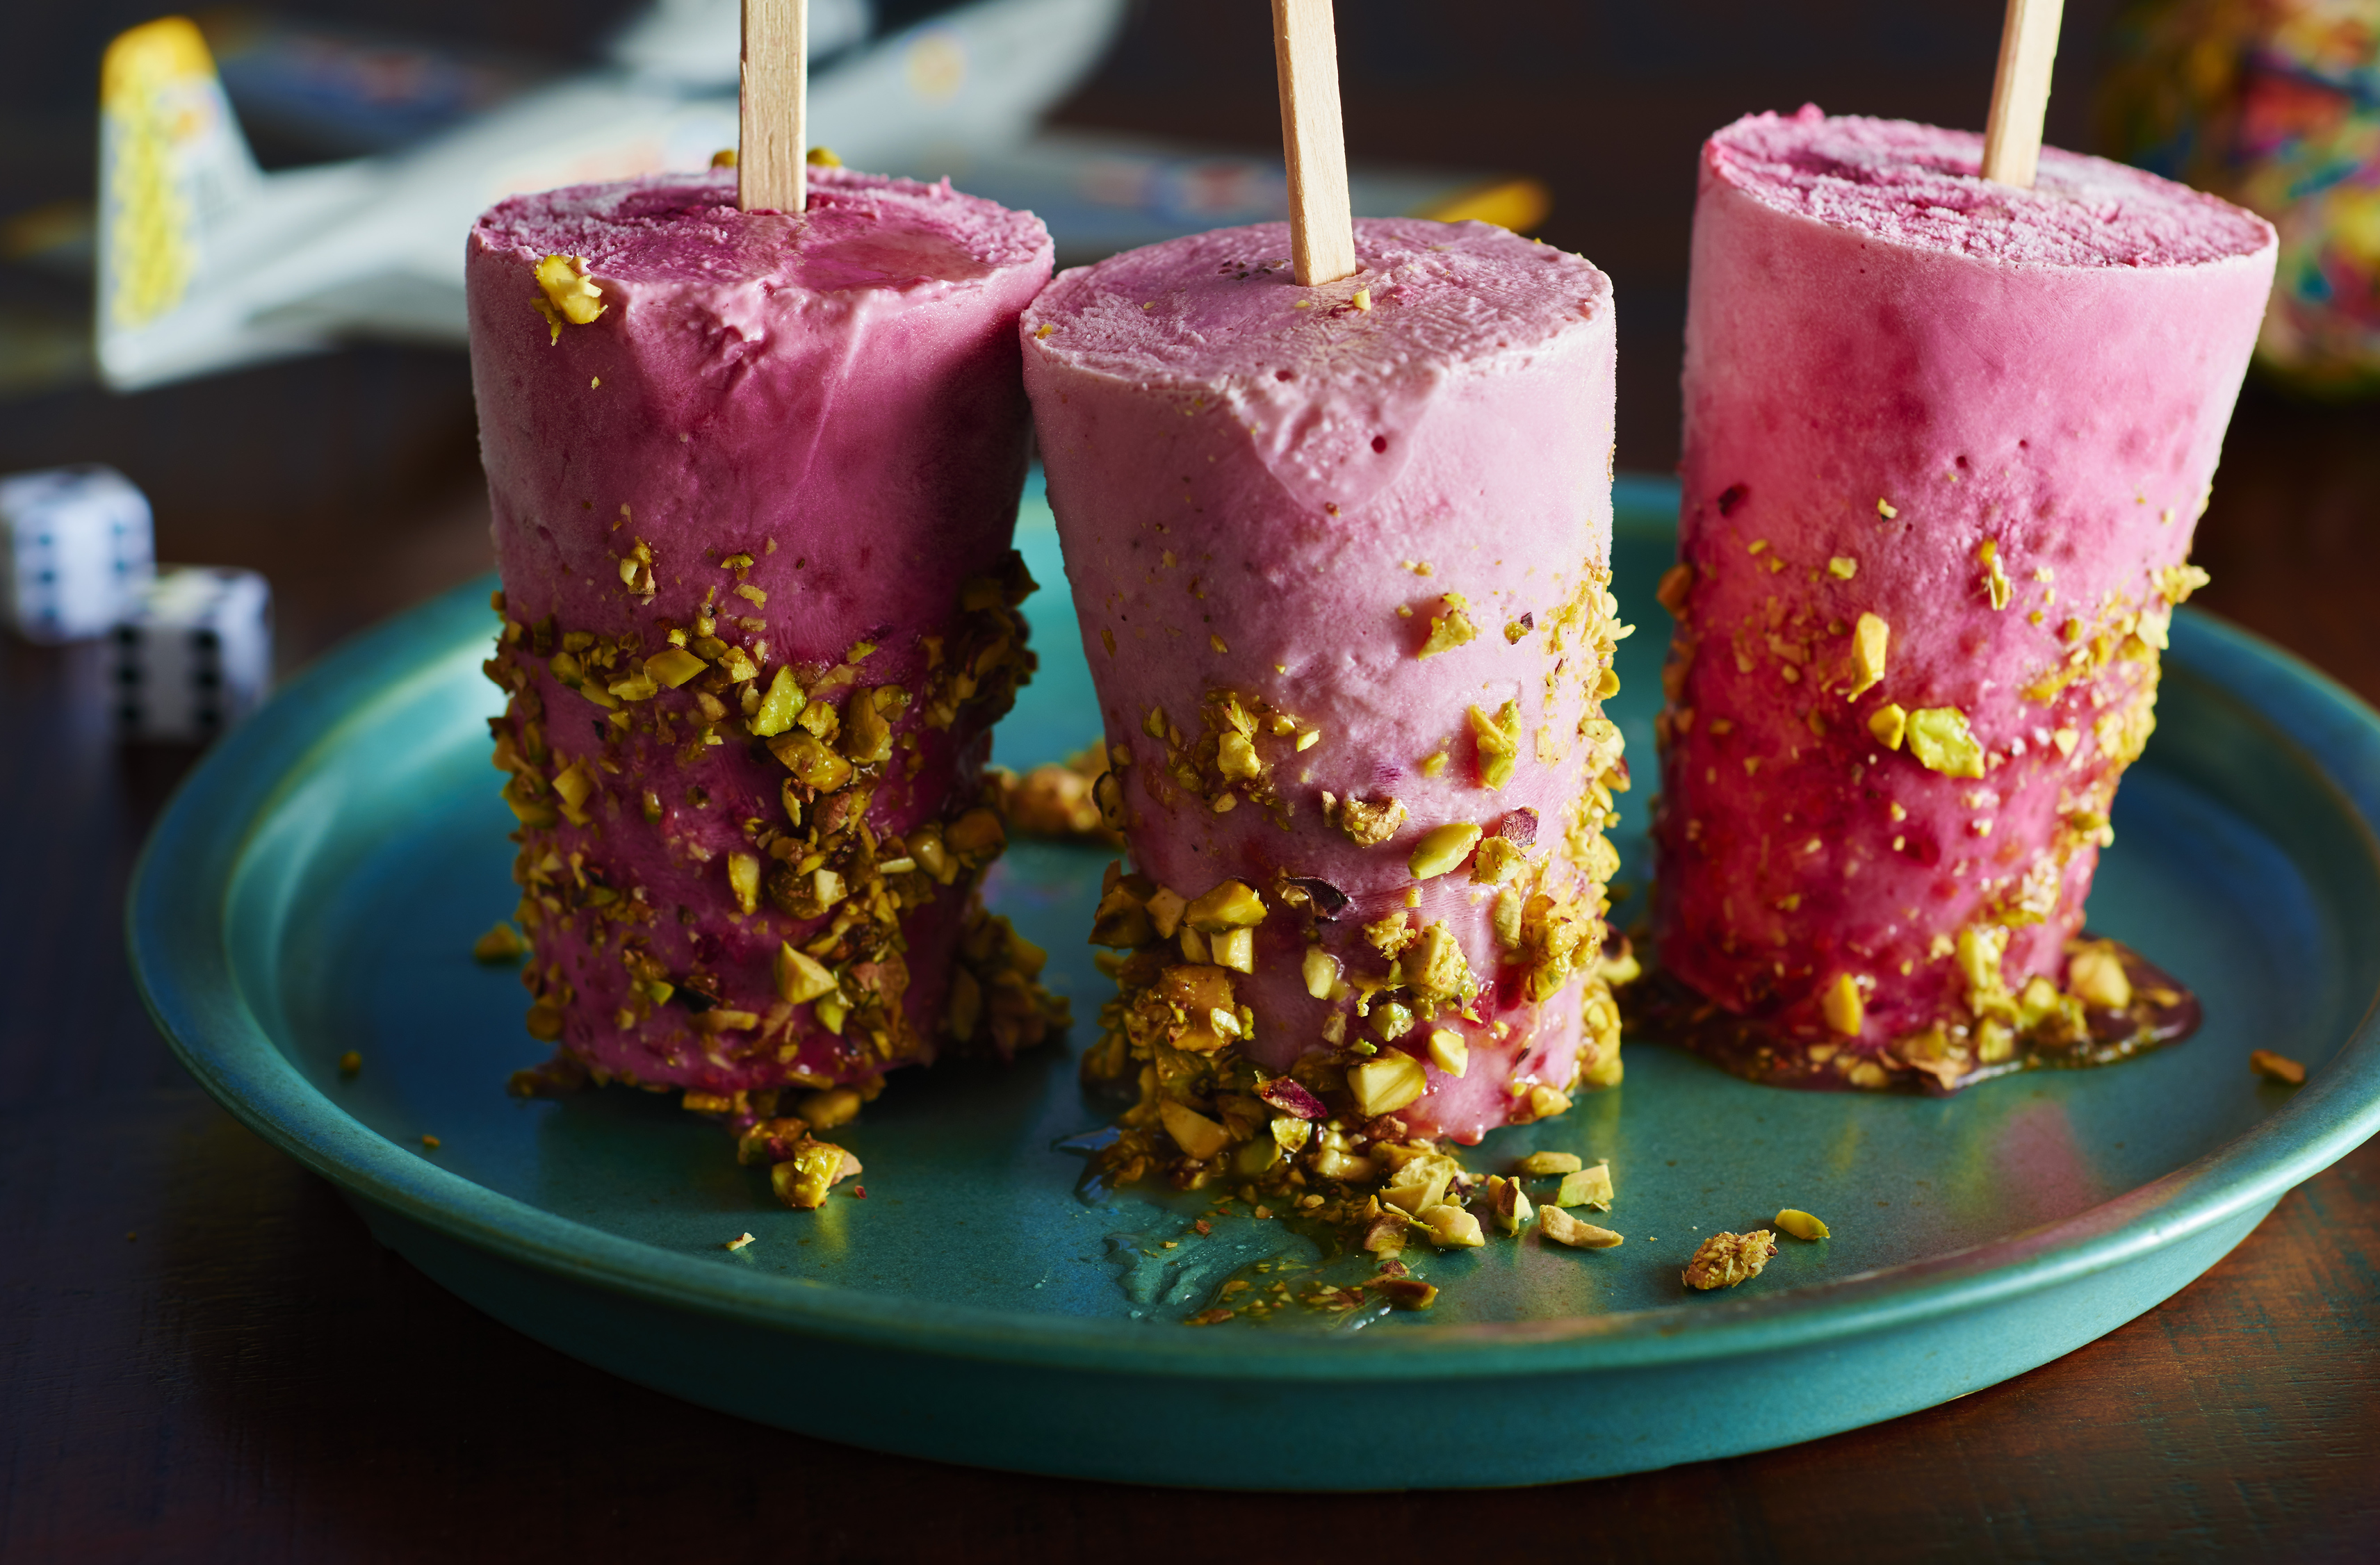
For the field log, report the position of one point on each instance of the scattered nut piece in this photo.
(1548, 1163)
(738, 1241)
(1586, 1187)
(1452, 1228)
(1726, 1260)
(1801, 1225)
(2276, 1067)
(2095, 974)
(1564, 1229)
(502, 944)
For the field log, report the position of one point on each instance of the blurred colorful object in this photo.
(2274, 104)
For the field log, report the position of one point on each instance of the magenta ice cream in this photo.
(754, 478)
(1340, 555)
(1945, 444)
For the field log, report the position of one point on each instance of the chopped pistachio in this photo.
(1192, 1131)
(1449, 1052)
(1435, 968)
(570, 293)
(1368, 825)
(1842, 568)
(1420, 1182)
(1121, 921)
(1452, 1228)
(1321, 971)
(1444, 849)
(673, 666)
(744, 880)
(800, 978)
(1871, 639)
(1236, 949)
(2095, 974)
(1231, 905)
(1499, 739)
(779, 707)
(500, 943)
(1724, 1259)
(1564, 1229)
(1165, 911)
(1386, 1083)
(1450, 629)
(1498, 860)
(1538, 1164)
(1889, 723)
(1392, 1019)
(2276, 1067)
(1940, 739)
(835, 1106)
(1800, 1224)
(1586, 1187)
(814, 765)
(1510, 1203)
(802, 1181)
(1844, 1006)
(1236, 758)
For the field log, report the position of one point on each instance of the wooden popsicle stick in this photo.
(1321, 224)
(771, 115)
(2021, 91)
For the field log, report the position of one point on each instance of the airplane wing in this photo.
(205, 263)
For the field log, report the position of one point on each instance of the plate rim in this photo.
(183, 971)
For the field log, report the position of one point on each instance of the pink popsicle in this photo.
(1339, 557)
(754, 478)
(1945, 444)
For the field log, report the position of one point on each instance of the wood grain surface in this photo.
(204, 1355)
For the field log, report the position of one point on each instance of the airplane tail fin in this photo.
(172, 167)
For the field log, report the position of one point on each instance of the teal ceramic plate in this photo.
(316, 887)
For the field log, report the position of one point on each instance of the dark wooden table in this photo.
(205, 1356)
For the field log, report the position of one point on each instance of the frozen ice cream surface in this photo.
(1945, 444)
(754, 477)
(1339, 556)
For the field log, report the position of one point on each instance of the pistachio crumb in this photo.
(738, 1241)
(1723, 1260)
(1800, 1224)
(2276, 1067)
(1563, 1229)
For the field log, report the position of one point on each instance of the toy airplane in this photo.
(206, 263)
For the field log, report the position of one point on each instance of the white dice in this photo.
(194, 654)
(75, 548)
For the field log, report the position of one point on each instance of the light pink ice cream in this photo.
(834, 396)
(1268, 489)
(1891, 363)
